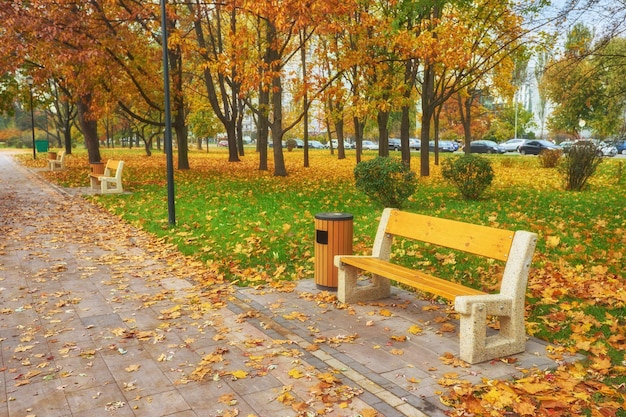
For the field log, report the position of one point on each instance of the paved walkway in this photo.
(100, 319)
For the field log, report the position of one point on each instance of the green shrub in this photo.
(291, 144)
(471, 174)
(386, 180)
(549, 158)
(579, 164)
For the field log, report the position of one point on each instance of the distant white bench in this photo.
(110, 182)
(515, 248)
(58, 162)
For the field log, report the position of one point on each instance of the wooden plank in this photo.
(416, 279)
(479, 240)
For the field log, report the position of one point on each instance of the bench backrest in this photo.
(516, 248)
(479, 240)
(113, 165)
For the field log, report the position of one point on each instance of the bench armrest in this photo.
(496, 304)
(338, 258)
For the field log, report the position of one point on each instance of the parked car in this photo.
(223, 143)
(536, 146)
(369, 145)
(512, 145)
(415, 144)
(486, 146)
(314, 144)
(602, 148)
(346, 145)
(620, 146)
(394, 144)
(444, 146)
(566, 145)
(605, 149)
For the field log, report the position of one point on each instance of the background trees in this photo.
(373, 68)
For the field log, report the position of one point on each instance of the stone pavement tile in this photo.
(78, 374)
(136, 367)
(41, 398)
(204, 398)
(160, 404)
(95, 400)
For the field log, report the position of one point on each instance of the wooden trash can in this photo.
(97, 168)
(333, 236)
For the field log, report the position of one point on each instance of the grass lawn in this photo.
(255, 228)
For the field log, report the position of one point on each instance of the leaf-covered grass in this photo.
(254, 228)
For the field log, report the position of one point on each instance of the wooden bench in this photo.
(58, 162)
(110, 181)
(514, 248)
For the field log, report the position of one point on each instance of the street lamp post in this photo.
(29, 81)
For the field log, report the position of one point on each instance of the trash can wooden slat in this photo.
(333, 236)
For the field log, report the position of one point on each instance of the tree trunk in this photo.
(405, 125)
(428, 92)
(358, 133)
(305, 101)
(465, 107)
(263, 128)
(277, 105)
(90, 129)
(341, 149)
(180, 111)
(383, 134)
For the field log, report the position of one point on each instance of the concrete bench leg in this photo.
(349, 291)
(476, 346)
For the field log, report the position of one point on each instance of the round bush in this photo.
(579, 164)
(471, 174)
(386, 180)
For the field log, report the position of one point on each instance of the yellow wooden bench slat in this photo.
(472, 238)
(417, 279)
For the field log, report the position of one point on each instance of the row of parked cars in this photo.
(523, 146)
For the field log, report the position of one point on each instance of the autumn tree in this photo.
(571, 85)
(281, 24)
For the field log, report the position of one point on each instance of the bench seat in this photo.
(416, 279)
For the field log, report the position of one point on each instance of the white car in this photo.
(606, 149)
(511, 145)
(369, 145)
(346, 145)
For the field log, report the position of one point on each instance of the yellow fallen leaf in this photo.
(552, 241)
(132, 368)
(415, 329)
(295, 373)
(239, 374)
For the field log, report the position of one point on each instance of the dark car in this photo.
(444, 146)
(535, 147)
(620, 145)
(395, 144)
(486, 146)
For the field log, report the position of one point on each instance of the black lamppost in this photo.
(29, 81)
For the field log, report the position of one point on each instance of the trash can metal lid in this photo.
(334, 216)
